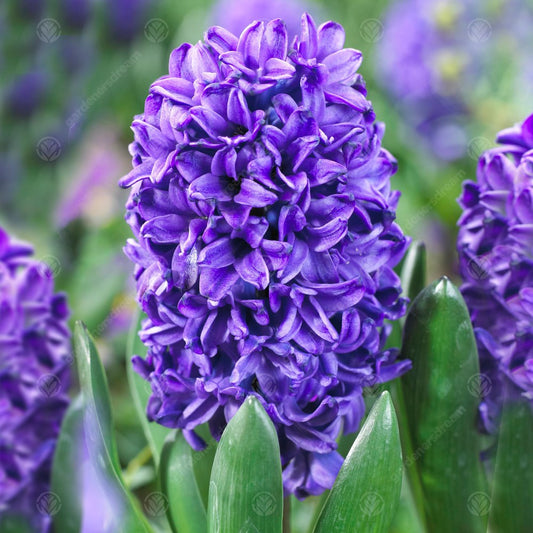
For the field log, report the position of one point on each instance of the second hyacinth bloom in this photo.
(495, 249)
(34, 381)
(265, 239)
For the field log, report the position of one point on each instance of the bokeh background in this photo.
(445, 76)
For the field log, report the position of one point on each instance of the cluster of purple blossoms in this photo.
(264, 240)
(34, 380)
(495, 247)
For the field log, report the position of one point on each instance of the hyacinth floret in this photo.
(265, 238)
(495, 246)
(34, 379)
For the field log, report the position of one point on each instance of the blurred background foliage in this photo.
(73, 73)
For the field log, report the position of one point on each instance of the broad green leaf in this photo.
(186, 511)
(512, 495)
(365, 495)
(245, 492)
(66, 475)
(413, 274)
(140, 391)
(441, 401)
(98, 428)
(406, 519)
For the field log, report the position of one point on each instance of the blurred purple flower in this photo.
(26, 93)
(91, 193)
(76, 13)
(126, 19)
(444, 63)
(265, 240)
(422, 61)
(34, 380)
(235, 15)
(495, 247)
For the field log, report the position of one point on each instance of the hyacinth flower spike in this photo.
(264, 240)
(495, 250)
(34, 381)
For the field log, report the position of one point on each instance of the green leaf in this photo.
(366, 493)
(98, 428)
(406, 519)
(413, 274)
(140, 391)
(512, 496)
(66, 474)
(246, 491)
(441, 402)
(186, 511)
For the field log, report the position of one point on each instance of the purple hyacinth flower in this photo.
(235, 15)
(34, 380)
(126, 19)
(495, 247)
(265, 239)
(76, 13)
(27, 93)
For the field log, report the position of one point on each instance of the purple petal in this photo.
(164, 229)
(277, 69)
(331, 38)
(140, 172)
(253, 269)
(212, 123)
(178, 65)
(324, 237)
(308, 37)
(342, 94)
(178, 90)
(219, 253)
(296, 260)
(275, 41)
(209, 186)
(342, 65)
(284, 105)
(249, 44)
(253, 194)
(215, 283)
(238, 111)
(221, 39)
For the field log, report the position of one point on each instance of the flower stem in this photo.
(287, 515)
(136, 463)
